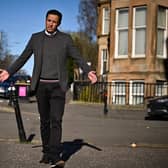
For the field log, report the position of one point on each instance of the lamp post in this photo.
(105, 110)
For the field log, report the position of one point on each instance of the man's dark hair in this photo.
(55, 12)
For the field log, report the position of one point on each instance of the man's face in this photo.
(52, 22)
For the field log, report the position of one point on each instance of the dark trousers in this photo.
(51, 103)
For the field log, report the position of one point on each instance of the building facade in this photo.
(132, 47)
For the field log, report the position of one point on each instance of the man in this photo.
(51, 49)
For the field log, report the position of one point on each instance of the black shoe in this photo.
(58, 164)
(45, 159)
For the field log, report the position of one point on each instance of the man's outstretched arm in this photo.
(4, 75)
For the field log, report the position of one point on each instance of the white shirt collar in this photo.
(50, 34)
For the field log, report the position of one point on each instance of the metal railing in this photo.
(119, 93)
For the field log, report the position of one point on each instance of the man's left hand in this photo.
(92, 77)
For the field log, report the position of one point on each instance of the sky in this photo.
(21, 18)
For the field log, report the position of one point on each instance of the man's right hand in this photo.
(4, 75)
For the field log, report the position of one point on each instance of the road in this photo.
(90, 139)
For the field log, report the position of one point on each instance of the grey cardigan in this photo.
(65, 48)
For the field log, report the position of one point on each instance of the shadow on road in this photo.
(71, 147)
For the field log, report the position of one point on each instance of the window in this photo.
(136, 92)
(106, 21)
(119, 92)
(139, 32)
(161, 88)
(162, 24)
(104, 61)
(121, 49)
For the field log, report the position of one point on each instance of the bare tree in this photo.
(87, 17)
(6, 61)
(86, 47)
(5, 57)
(87, 20)
(3, 44)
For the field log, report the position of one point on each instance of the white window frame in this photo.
(106, 21)
(132, 95)
(117, 34)
(161, 88)
(118, 94)
(134, 55)
(104, 59)
(165, 29)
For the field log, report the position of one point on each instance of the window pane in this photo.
(120, 88)
(104, 54)
(140, 41)
(106, 28)
(106, 13)
(160, 41)
(162, 17)
(123, 18)
(138, 100)
(120, 100)
(161, 88)
(139, 36)
(138, 88)
(104, 67)
(140, 17)
(104, 61)
(106, 22)
(119, 93)
(123, 42)
(138, 93)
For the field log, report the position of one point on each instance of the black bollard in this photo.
(10, 94)
(105, 102)
(21, 131)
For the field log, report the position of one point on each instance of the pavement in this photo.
(90, 139)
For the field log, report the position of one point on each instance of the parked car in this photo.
(157, 107)
(4, 89)
(17, 80)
